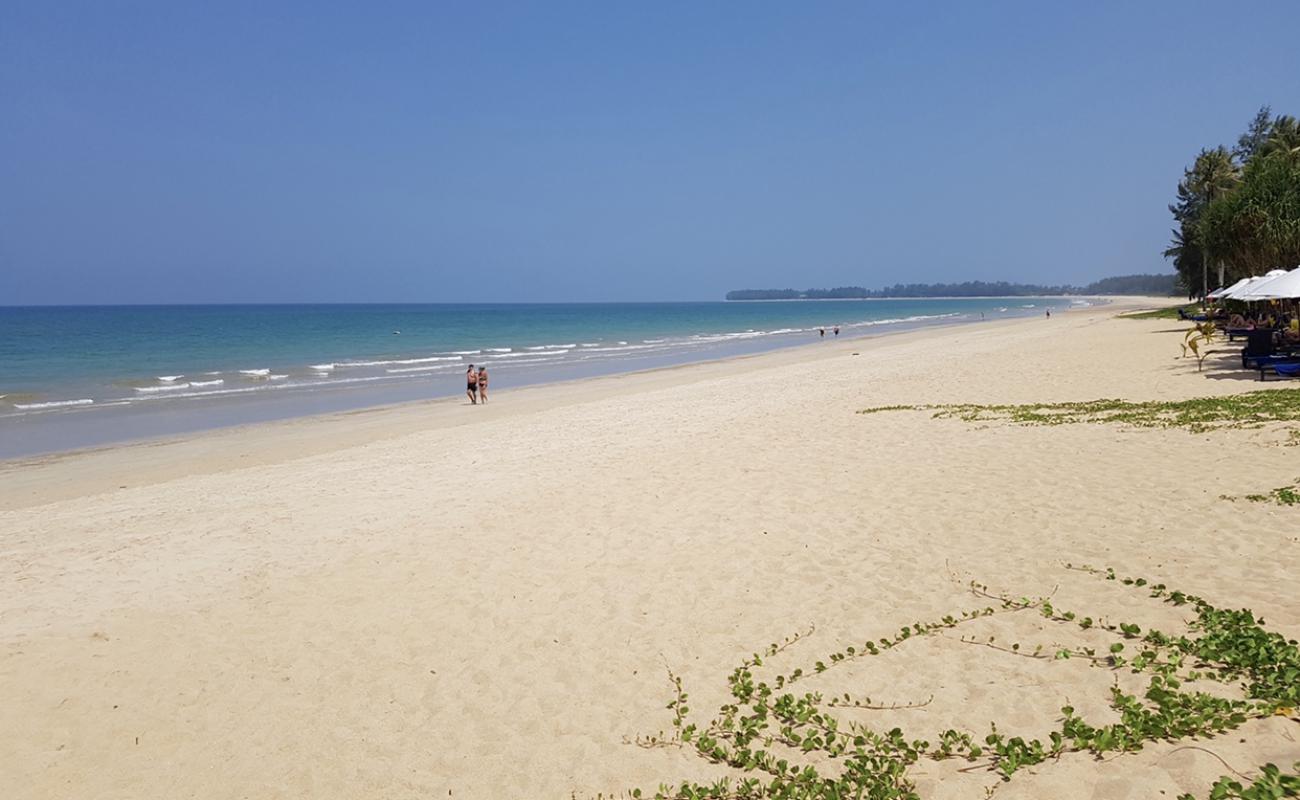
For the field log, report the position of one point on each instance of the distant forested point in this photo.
(1159, 285)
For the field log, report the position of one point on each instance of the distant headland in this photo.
(1155, 285)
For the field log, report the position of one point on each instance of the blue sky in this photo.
(318, 152)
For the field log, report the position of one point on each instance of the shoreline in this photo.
(344, 401)
(338, 430)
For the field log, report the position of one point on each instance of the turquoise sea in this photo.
(78, 376)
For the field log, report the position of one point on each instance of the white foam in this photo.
(277, 377)
(53, 404)
(654, 341)
(322, 367)
(619, 349)
(259, 388)
(255, 373)
(537, 358)
(430, 369)
(464, 352)
(429, 360)
(197, 384)
(591, 344)
(498, 349)
(528, 354)
(170, 378)
(170, 387)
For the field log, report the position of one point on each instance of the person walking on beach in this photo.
(471, 385)
(482, 384)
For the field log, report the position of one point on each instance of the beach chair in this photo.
(1259, 344)
(1282, 366)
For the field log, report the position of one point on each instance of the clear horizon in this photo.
(162, 155)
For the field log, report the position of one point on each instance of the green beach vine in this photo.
(1198, 415)
(788, 744)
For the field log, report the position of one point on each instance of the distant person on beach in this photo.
(837, 330)
(482, 384)
(1049, 313)
(471, 385)
(821, 332)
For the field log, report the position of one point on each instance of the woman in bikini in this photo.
(471, 384)
(482, 384)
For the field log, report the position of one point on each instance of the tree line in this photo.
(1124, 284)
(1238, 211)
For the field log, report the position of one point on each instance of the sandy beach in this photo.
(436, 600)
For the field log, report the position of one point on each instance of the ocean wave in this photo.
(896, 320)
(536, 359)
(53, 404)
(464, 352)
(261, 387)
(498, 349)
(591, 344)
(170, 378)
(322, 367)
(197, 384)
(528, 354)
(255, 373)
(170, 387)
(429, 369)
(390, 362)
(277, 377)
(620, 349)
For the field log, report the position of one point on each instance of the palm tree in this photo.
(1283, 137)
(1212, 176)
(1186, 257)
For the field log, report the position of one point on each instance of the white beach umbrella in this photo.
(1223, 291)
(1282, 287)
(1239, 287)
(1259, 290)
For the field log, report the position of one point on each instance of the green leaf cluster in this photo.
(1198, 415)
(789, 745)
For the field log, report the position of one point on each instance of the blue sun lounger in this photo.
(1282, 366)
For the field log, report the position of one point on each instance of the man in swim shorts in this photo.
(471, 385)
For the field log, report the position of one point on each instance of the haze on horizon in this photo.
(158, 152)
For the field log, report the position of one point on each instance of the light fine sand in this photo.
(438, 601)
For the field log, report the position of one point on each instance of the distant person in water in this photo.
(1049, 313)
(837, 330)
(821, 332)
(482, 384)
(471, 385)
